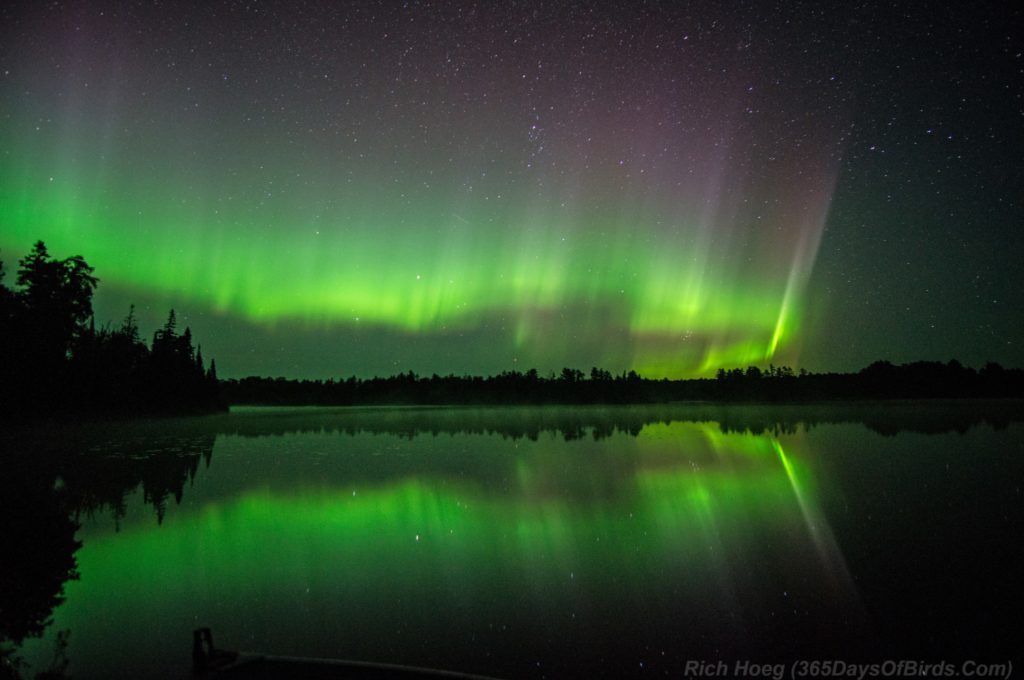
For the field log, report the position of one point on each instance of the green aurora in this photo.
(544, 239)
(675, 310)
(421, 188)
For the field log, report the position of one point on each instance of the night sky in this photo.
(366, 188)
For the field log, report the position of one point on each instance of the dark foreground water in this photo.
(521, 542)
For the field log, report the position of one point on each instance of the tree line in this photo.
(880, 380)
(55, 359)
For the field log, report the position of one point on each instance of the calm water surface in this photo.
(523, 542)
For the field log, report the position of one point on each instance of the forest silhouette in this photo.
(880, 380)
(57, 361)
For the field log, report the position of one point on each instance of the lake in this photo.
(520, 542)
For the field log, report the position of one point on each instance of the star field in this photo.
(330, 189)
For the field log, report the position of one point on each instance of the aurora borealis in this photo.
(471, 187)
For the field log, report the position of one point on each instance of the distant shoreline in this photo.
(881, 381)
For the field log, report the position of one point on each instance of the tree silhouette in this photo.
(57, 293)
(56, 360)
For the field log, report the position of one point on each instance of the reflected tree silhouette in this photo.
(48, 483)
